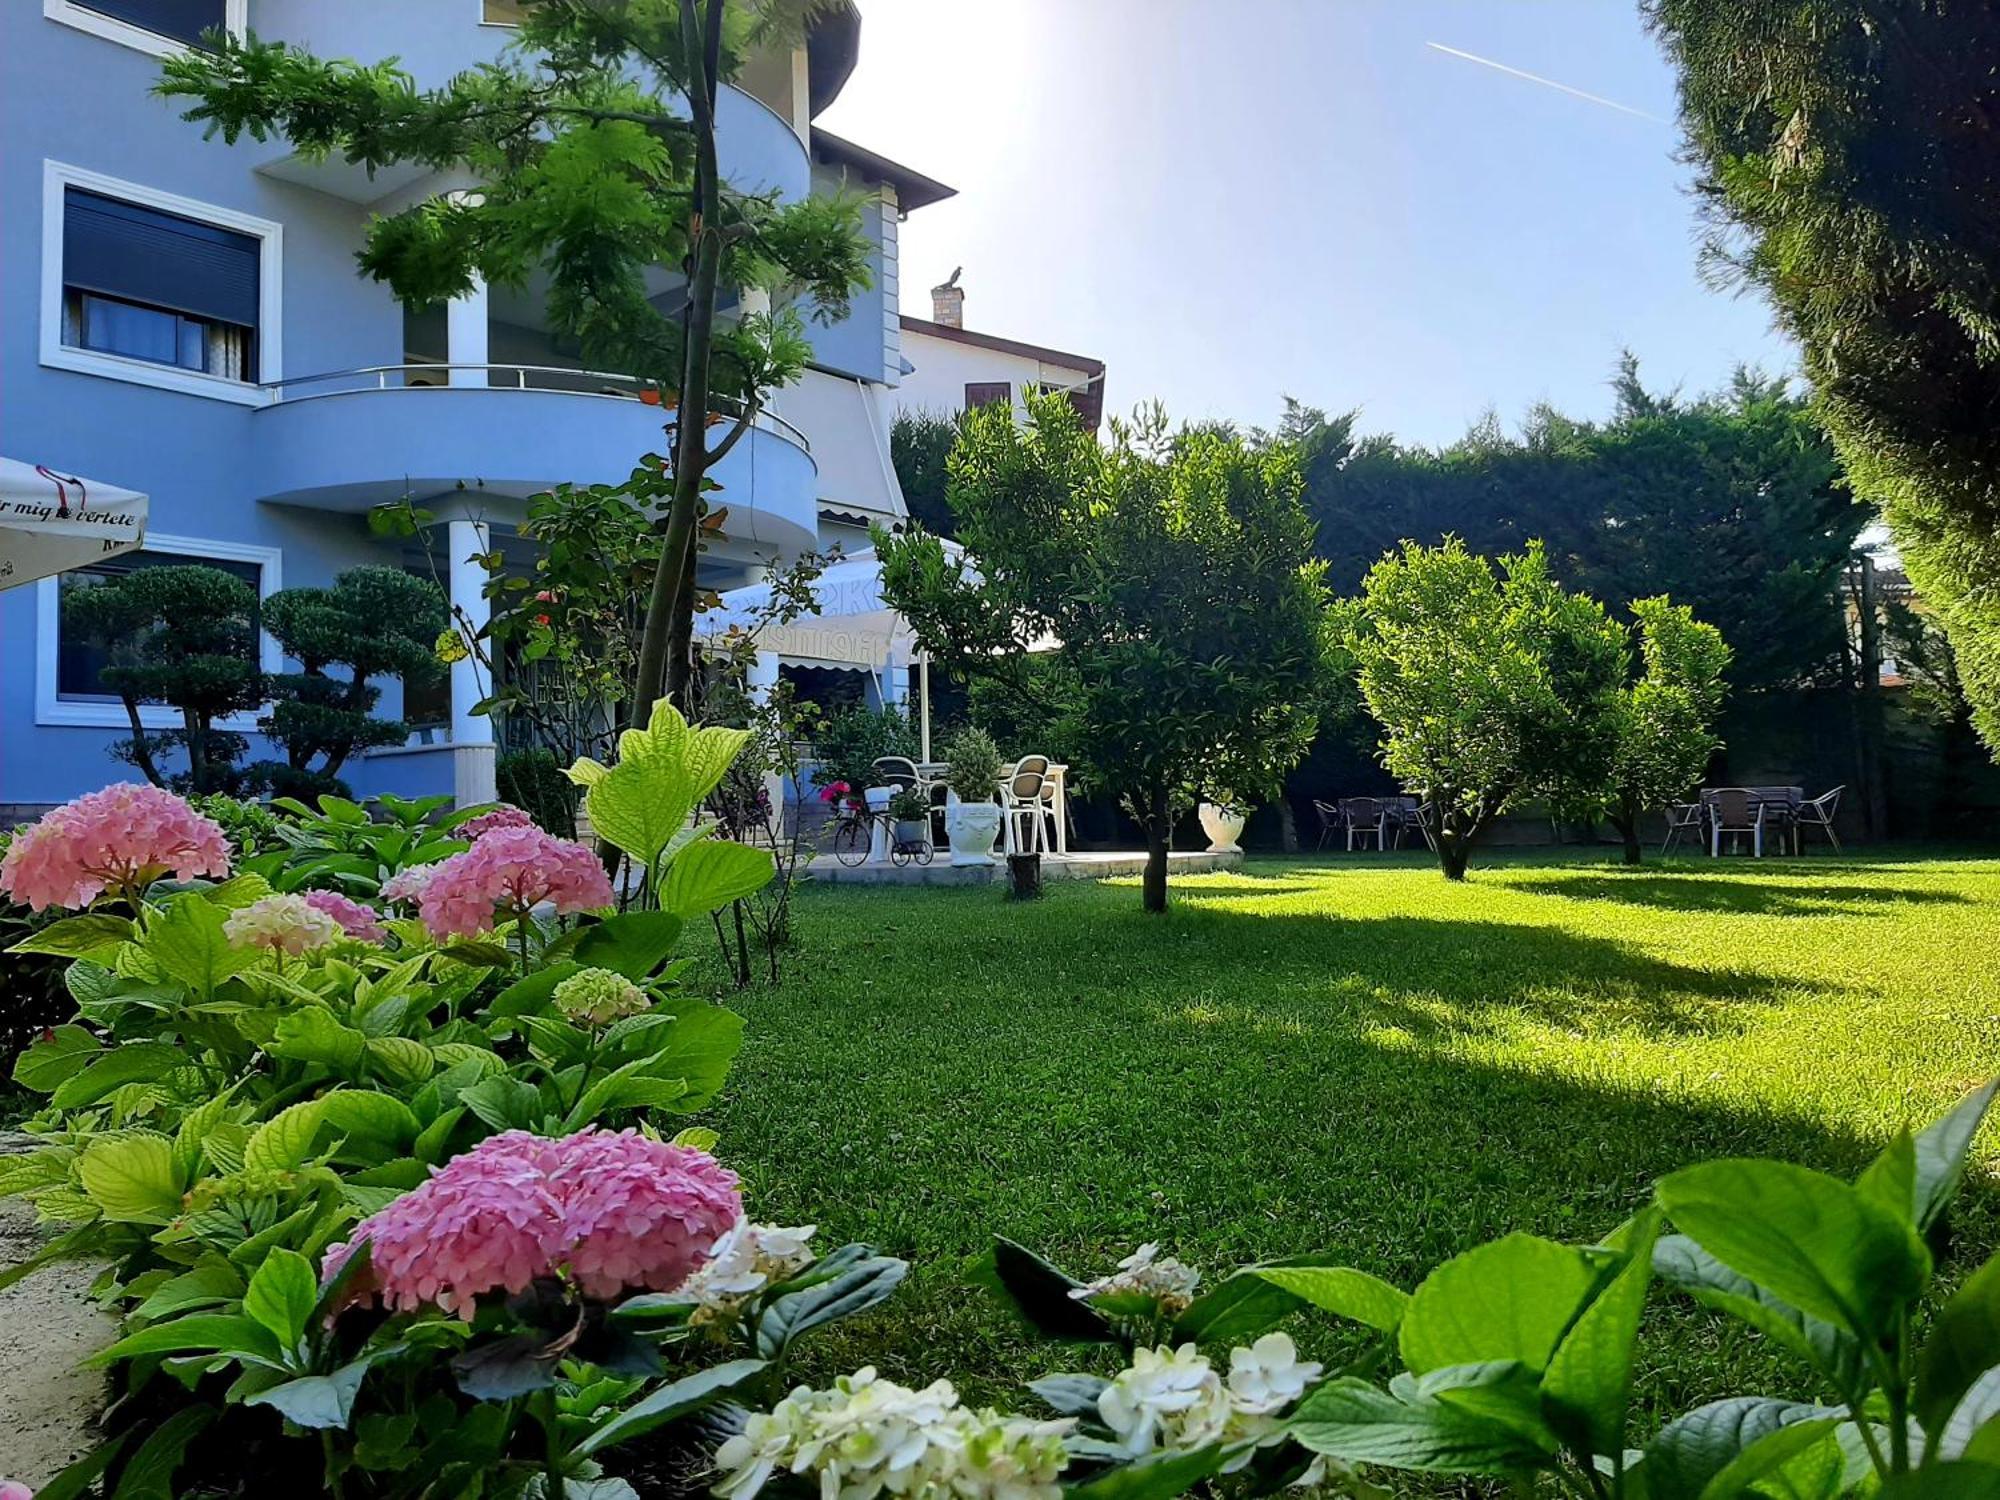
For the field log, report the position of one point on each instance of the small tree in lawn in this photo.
(374, 622)
(186, 637)
(594, 145)
(1488, 686)
(1665, 718)
(1170, 582)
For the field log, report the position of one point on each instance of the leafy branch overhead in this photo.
(571, 157)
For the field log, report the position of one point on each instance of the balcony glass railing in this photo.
(431, 376)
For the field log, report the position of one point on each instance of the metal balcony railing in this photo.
(429, 376)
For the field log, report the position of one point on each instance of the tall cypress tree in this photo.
(1850, 167)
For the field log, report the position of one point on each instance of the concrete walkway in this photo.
(48, 1325)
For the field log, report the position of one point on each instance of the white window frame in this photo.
(235, 19)
(57, 178)
(51, 708)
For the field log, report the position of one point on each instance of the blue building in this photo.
(185, 318)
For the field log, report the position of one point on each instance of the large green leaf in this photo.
(1941, 1152)
(318, 1401)
(707, 876)
(401, 1059)
(1691, 1451)
(1340, 1290)
(1680, 1262)
(134, 1062)
(210, 1284)
(283, 1142)
(149, 1474)
(1588, 1383)
(504, 1102)
(855, 1290)
(1511, 1299)
(1964, 1342)
(675, 1399)
(74, 937)
(1811, 1239)
(697, 1049)
(312, 1034)
(663, 772)
(1355, 1422)
(1234, 1311)
(1157, 1476)
(218, 1332)
(633, 944)
(131, 1178)
(57, 1057)
(1956, 1481)
(380, 1118)
(282, 1294)
(1040, 1293)
(186, 940)
(1973, 1429)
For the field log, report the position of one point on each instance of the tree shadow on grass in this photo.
(1807, 897)
(1437, 977)
(1238, 1086)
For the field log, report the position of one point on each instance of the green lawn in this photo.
(1345, 1054)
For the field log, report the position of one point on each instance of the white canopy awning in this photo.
(51, 521)
(853, 626)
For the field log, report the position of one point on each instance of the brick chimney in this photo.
(948, 302)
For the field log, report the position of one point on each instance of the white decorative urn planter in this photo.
(972, 827)
(1222, 825)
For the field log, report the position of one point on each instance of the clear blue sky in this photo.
(1231, 200)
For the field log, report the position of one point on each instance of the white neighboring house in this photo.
(951, 368)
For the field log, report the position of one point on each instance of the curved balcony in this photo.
(758, 149)
(361, 438)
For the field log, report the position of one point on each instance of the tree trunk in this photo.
(1024, 876)
(1288, 826)
(142, 747)
(670, 606)
(1159, 834)
(1625, 818)
(197, 752)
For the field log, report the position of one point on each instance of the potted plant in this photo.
(911, 812)
(972, 823)
(1222, 820)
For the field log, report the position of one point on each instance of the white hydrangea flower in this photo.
(867, 1437)
(1145, 1272)
(748, 1258)
(1269, 1375)
(1168, 1398)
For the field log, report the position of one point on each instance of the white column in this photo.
(760, 676)
(465, 321)
(471, 734)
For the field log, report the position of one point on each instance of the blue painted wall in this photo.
(84, 100)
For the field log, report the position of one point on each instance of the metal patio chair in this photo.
(1819, 813)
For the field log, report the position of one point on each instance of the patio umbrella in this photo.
(51, 521)
(854, 625)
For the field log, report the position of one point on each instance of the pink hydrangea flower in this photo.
(407, 885)
(610, 1209)
(284, 923)
(503, 816)
(507, 873)
(356, 920)
(120, 839)
(13, 1489)
(488, 1220)
(640, 1212)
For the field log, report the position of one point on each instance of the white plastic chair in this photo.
(1819, 813)
(1683, 817)
(1021, 798)
(1733, 810)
